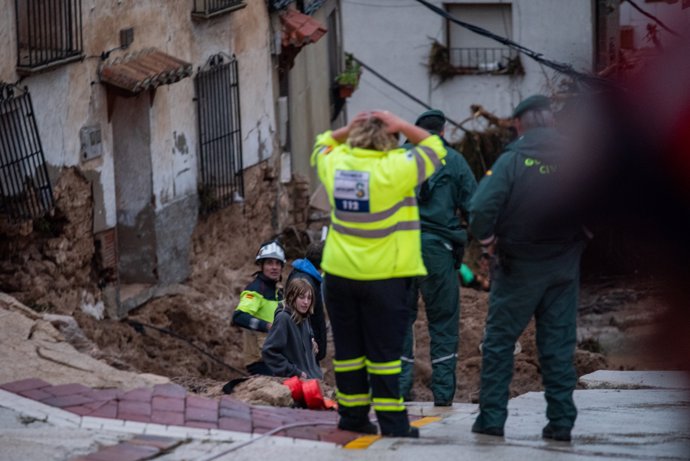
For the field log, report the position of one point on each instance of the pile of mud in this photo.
(187, 336)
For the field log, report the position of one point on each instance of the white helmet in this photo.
(271, 250)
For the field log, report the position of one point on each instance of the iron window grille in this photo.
(220, 137)
(482, 60)
(49, 33)
(305, 6)
(206, 9)
(25, 190)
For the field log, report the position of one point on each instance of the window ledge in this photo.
(25, 71)
(477, 71)
(229, 9)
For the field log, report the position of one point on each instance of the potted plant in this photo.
(348, 79)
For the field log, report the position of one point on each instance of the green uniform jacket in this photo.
(449, 189)
(514, 200)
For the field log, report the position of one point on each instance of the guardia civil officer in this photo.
(443, 201)
(538, 244)
(372, 251)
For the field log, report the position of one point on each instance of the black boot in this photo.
(560, 433)
(363, 427)
(479, 429)
(411, 432)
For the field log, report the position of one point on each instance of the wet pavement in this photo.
(626, 415)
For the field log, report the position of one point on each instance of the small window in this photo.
(217, 89)
(310, 6)
(49, 33)
(25, 191)
(205, 9)
(471, 53)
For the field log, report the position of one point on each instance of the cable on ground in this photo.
(139, 327)
(266, 434)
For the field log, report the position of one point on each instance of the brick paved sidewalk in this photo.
(171, 405)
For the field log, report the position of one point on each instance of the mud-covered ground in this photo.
(188, 337)
(201, 350)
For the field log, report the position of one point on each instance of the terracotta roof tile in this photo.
(300, 29)
(144, 70)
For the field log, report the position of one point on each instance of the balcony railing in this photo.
(49, 32)
(206, 9)
(485, 60)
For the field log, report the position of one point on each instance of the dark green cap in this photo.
(534, 102)
(432, 120)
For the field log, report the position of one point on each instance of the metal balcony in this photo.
(205, 9)
(484, 60)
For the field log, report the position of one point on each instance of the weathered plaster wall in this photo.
(560, 29)
(147, 177)
(8, 54)
(309, 98)
(70, 97)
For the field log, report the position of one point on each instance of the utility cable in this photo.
(266, 434)
(652, 17)
(557, 66)
(406, 93)
(138, 326)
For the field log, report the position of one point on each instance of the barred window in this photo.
(471, 53)
(205, 9)
(25, 191)
(220, 137)
(49, 33)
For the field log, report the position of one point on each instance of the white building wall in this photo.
(309, 97)
(394, 37)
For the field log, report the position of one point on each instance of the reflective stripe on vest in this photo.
(384, 368)
(443, 359)
(381, 404)
(343, 366)
(373, 217)
(432, 155)
(421, 164)
(353, 400)
(376, 233)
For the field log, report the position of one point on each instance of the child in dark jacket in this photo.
(309, 269)
(290, 348)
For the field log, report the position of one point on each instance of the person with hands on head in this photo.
(258, 303)
(290, 349)
(372, 251)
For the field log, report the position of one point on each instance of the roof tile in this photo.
(300, 29)
(144, 70)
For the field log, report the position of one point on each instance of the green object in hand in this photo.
(466, 274)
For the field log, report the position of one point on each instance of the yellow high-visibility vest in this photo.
(374, 232)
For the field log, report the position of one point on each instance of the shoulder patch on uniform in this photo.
(326, 149)
(249, 296)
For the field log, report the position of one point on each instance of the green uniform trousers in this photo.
(441, 295)
(548, 291)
